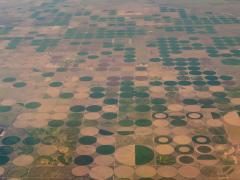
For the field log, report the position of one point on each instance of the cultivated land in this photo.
(119, 89)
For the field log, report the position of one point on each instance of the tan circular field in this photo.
(92, 116)
(164, 149)
(216, 88)
(89, 131)
(189, 171)
(182, 139)
(192, 108)
(162, 131)
(104, 160)
(23, 160)
(80, 171)
(180, 131)
(175, 107)
(232, 118)
(160, 123)
(124, 172)
(145, 171)
(2, 170)
(110, 108)
(126, 155)
(46, 149)
(167, 171)
(101, 172)
(106, 140)
(143, 131)
(21, 123)
(85, 149)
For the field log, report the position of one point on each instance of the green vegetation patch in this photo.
(232, 62)
(143, 154)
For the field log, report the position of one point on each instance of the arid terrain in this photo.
(119, 90)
